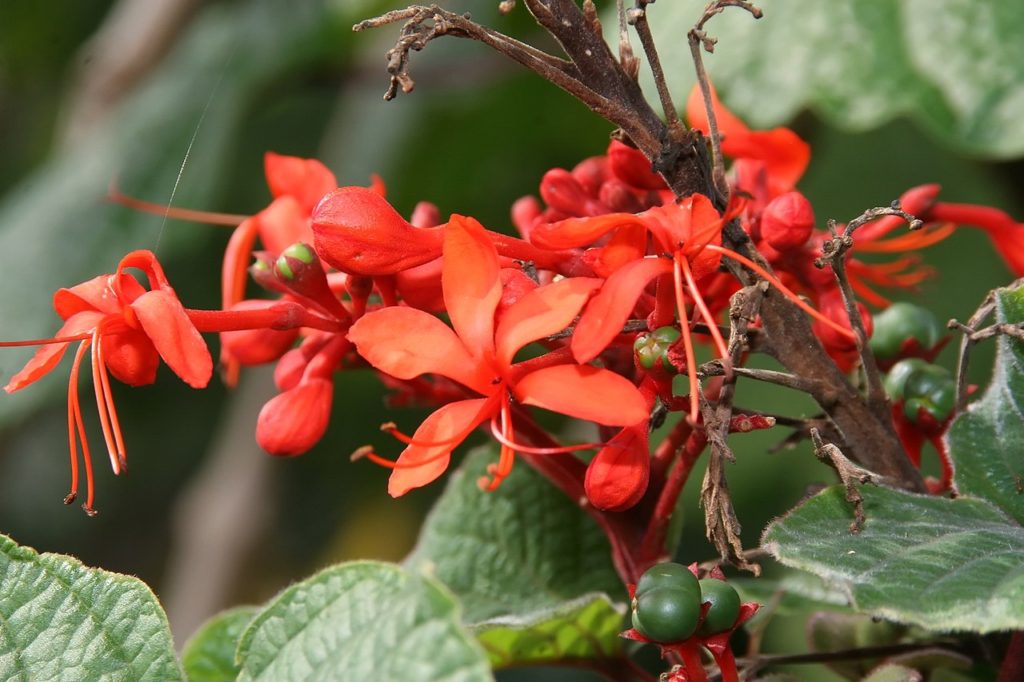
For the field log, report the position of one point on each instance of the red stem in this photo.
(280, 316)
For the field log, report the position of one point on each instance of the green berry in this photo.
(301, 252)
(652, 349)
(666, 614)
(668, 574)
(931, 388)
(897, 377)
(900, 322)
(725, 606)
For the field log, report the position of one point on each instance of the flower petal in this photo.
(282, 223)
(573, 232)
(92, 295)
(47, 357)
(471, 283)
(606, 313)
(179, 343)
(406, 342)
(448, 422)
(585, 392)
(306, 180)
(540, 313)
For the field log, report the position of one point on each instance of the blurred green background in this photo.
(182, 98)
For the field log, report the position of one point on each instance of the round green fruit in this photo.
(725, 606)
(666, 614)
(668, 574)
(896, 379)
(652, 349)
(898, 323)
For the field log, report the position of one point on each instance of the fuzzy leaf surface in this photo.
(955, 66)
(209, 655)
(361, 621)
(532, 570)
(987, 441)
(939, 563)
(62, 620)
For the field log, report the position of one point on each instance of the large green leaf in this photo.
(62, 620)
(955, 65)
(939, 563)
(361, 621)
(987, 442)
(530, 567)
(209, 655)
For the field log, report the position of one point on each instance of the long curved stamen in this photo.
(530, 450)
(907, 242)
(507, 456)
(102, 405)
(120, 462)
(684, 325)
(709, 319)
(410, 440)
(116, 196)
(42, 342)
(774, 281)
(76, 408)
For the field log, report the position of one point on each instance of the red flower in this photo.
(478, 354)
(128, 329)
(779, 153)
(297, 185)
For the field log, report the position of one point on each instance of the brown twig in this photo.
(849, 473)
(834, 253)
(972, 334)
(722, 527)
(637, 18)
(698, 38)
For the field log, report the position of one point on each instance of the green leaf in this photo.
(939, 563)
(209, 655)
(62, 620)
(361, 621)
(987, 442)
(526, 558)
(893, 673)
(861, 63)
(587, 627)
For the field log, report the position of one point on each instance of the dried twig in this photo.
(698, 38)
(849, 473)
(972, 334)
(833, 253)
(721, 525)
(637, 17)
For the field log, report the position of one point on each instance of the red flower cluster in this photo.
(609, 253)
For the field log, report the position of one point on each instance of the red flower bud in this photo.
(632, 167)
(357, 231)
(617, 477)
(620, 198)
(591, 174)
(294, 421)
(787, 221)
(563, 193)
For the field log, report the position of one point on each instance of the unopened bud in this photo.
(787, 222)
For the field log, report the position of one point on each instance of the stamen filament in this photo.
(684, 324)
(774, 281)
(80, 424)
(906, 242)
(101, 405)
(42, 342)
(116, 196)
(716, 335)
(115, 423)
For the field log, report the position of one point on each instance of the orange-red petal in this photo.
(573, 232)
(540, 313)
(471, 283)
(446, 423)
(604, 316)
(406, 342)
(47, 357)
(307, 180)
(179, 343)
(584, 392)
